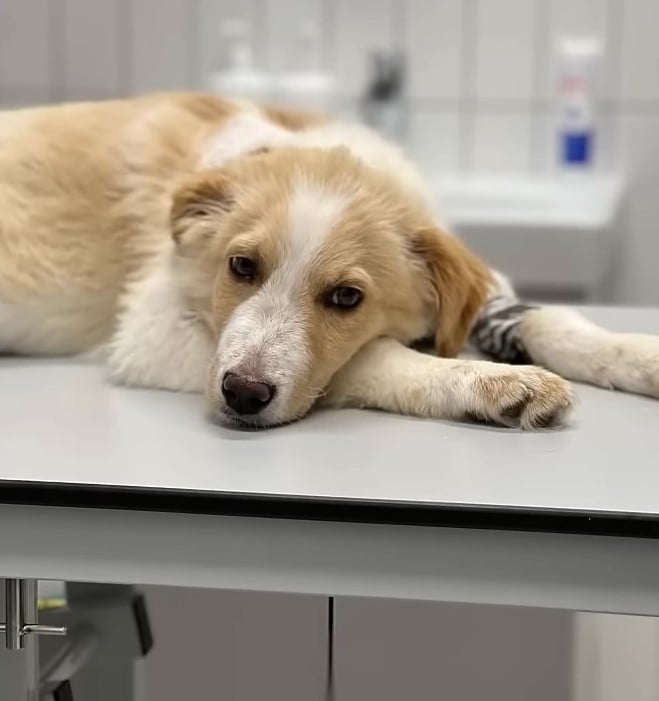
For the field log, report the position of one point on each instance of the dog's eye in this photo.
(345, 297)
(242, 267)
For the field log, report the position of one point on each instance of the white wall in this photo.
(615, 658)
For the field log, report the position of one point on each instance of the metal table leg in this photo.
(19, 655)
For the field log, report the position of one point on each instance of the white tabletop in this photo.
(60, 423)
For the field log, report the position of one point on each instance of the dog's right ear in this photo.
(197, 206)
(460, 282)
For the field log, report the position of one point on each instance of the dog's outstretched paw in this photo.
(524, 397)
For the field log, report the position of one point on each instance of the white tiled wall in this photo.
(27, 37)
(640, 52)
(480, 81)
(160, 55)
(502, 44)
(487, 61)
(433, 37)
(359, 28)
(92, 51)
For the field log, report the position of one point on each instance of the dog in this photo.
(276, 261)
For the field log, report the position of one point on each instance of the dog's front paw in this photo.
(524, 397)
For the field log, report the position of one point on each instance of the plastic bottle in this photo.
(577, 65)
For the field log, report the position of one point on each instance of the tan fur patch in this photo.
(295, 120)
(461, 282)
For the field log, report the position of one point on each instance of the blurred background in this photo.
(484, 90)
(537, 124)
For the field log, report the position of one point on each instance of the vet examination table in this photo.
(112, 485)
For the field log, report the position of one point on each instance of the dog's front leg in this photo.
(159, 343)
(386, 375)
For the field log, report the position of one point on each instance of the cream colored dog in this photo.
(273, 259)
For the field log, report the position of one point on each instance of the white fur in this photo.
(158, 342)
(565, 342)
(266, 338)
(501, 285)
(244, 133)
(312, 214)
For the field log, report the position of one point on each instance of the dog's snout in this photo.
(244, 396)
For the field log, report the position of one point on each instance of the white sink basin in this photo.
(555, 234)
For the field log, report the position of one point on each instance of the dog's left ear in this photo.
(460, 282)
(203, 198)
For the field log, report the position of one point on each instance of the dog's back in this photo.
(83, 197)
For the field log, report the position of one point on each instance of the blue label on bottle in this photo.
(577, 148)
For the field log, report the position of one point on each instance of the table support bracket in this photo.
(20, 621)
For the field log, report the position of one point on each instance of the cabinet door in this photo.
(234, 646)
(391, 650)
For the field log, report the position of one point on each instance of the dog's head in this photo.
(296, 258)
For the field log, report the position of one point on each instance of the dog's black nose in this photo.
(244, 396)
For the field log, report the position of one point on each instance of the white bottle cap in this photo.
(580, 51)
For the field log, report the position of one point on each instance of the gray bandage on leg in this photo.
(496, 332)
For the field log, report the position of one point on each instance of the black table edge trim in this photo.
(329, 509)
